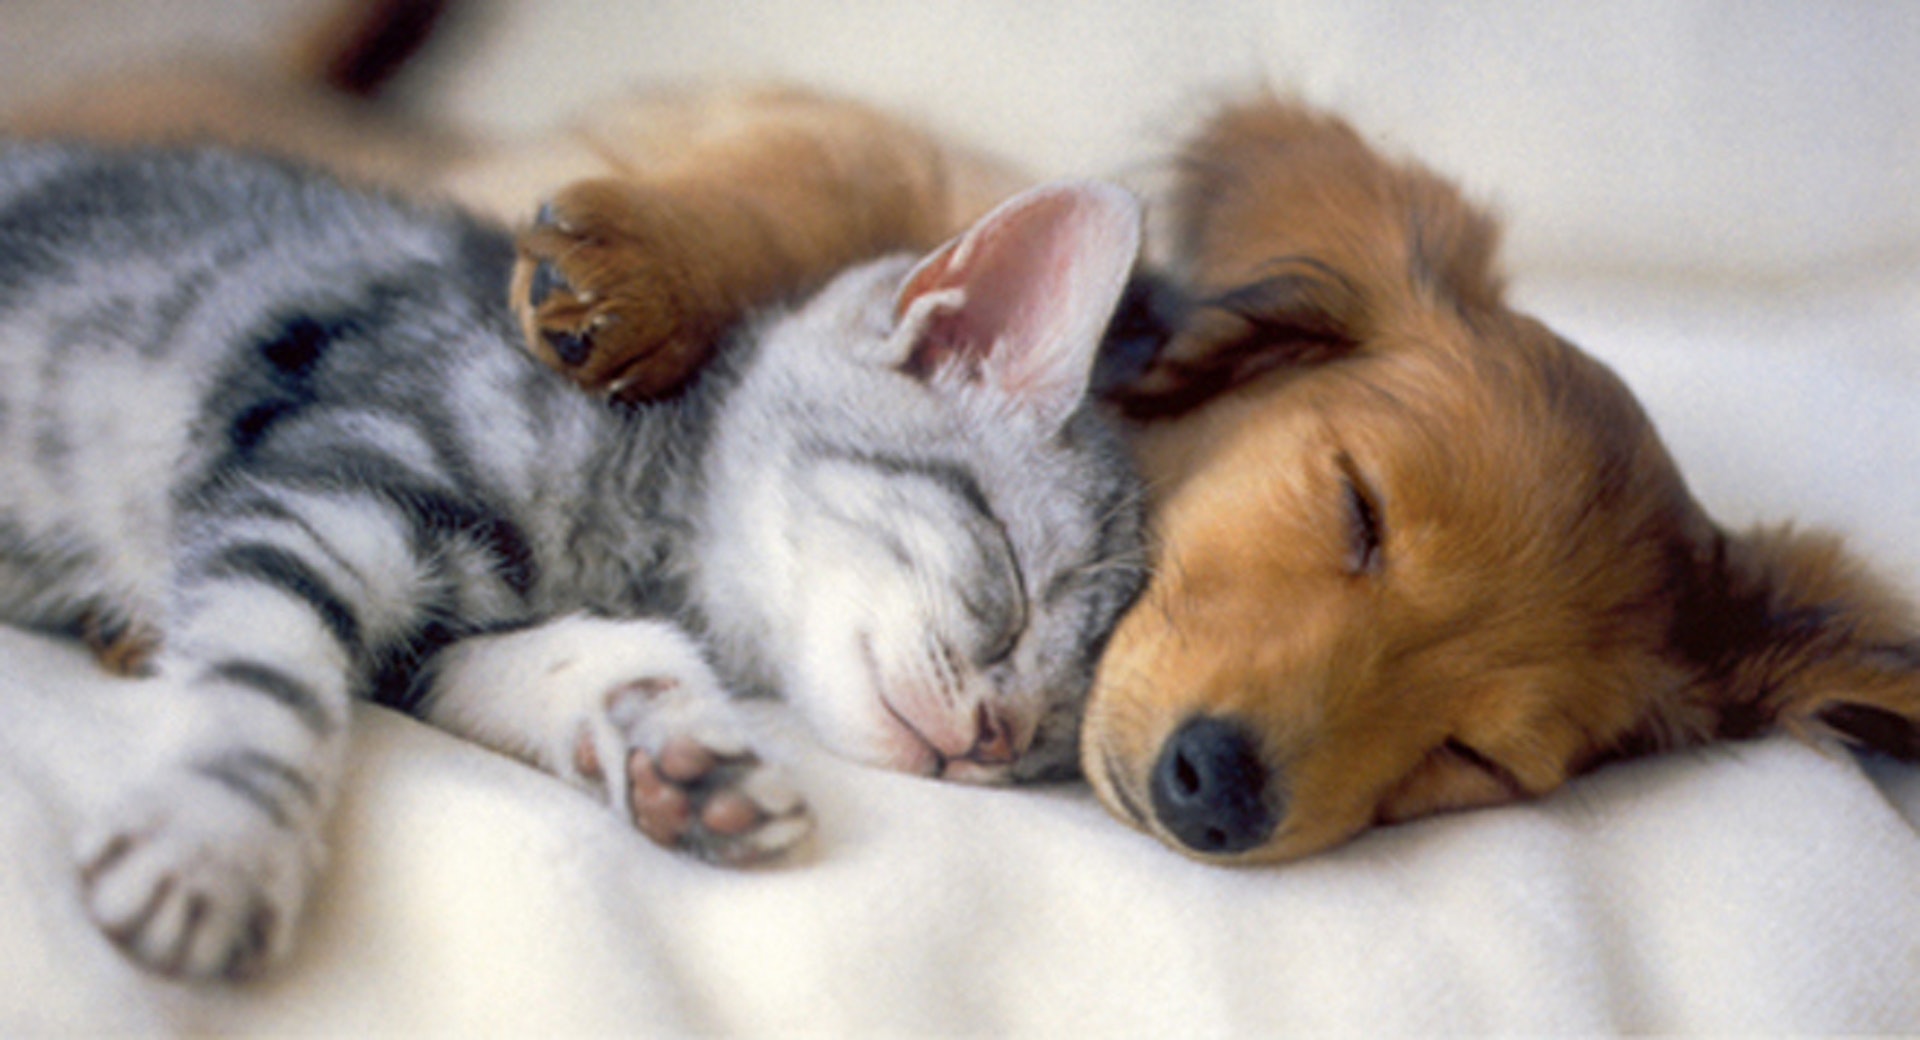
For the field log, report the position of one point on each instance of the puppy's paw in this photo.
(613, 288)
(194, 881)
(672, 756)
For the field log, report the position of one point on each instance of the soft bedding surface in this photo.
(1758, 887)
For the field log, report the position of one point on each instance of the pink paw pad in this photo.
(727, 807)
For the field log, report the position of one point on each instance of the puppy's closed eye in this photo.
(1465, 753)
(1366, 527)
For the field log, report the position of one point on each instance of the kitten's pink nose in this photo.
(994, 743)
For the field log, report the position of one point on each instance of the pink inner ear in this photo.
(1004, 274)
(1018, 302)
(931, 274)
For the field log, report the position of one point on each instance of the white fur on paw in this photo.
(193, 883)
(683, 772)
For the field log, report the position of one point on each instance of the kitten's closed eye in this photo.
(1000, 648)
(939, 530)
(998, 604)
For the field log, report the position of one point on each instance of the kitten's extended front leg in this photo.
(201, 864)
(630, 710)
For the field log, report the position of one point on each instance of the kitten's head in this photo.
(917, 528)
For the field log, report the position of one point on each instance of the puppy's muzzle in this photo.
(1212, 789)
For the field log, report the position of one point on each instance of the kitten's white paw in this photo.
(194, 883)
(628, 709)
(671, 753)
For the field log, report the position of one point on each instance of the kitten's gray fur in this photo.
(288, 427)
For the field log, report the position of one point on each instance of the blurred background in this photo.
(1748, 139)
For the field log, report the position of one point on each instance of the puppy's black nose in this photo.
(1210, 787)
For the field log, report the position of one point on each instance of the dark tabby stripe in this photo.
(287, 572)
(432, 511)
(953, 477)
(280, 687)
(262, 780)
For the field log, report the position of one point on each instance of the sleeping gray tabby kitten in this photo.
(288, 428)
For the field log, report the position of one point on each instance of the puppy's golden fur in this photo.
(1417, 552)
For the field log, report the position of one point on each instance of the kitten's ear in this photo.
(1788, 631)
(1016, 305)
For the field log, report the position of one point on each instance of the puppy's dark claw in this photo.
(609, 290)
(546, 280)
(573, 349)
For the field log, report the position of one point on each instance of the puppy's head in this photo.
(1416, 552)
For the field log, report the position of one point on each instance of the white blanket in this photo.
(1766, 886)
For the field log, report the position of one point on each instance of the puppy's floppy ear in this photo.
(1301, 312)
(1294, 242)
(1786, 630)
(1266, 181)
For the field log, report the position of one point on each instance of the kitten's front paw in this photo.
(193, 882)
(613, 290)
(681, 769)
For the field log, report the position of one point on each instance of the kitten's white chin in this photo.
(839, 697)
(967, 772)
(858, 714)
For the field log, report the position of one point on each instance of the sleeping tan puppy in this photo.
(1417, 552)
